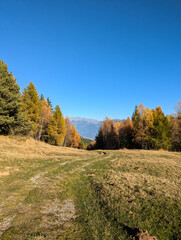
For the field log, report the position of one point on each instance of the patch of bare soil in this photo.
(60, 213)
(4, 174)
(37, 179)
(144, 236)
(6, 223)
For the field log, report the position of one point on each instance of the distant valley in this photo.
(86, 127)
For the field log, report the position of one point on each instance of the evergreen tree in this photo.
(41, 97)
(83, 145)
(11, 118)
(129, 133)
(176, 128)
(31, 107)
(137, 128)
(161, 131)
(49, 103)
(56, 128)
(100, 143)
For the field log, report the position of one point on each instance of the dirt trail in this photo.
(37, 192)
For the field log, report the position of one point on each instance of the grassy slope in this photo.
(50, 192)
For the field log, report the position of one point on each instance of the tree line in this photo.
(27, 113)
(148, 129)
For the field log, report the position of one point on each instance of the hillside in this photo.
(50, 192)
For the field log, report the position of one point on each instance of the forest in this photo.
(29, 113)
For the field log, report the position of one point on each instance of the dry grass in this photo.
(29, 148)
(50, 192)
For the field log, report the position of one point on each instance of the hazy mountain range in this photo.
(87, 127)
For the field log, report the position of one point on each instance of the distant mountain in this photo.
(86, 127)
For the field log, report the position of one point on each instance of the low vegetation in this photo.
(50, 192)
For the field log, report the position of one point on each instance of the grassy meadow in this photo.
(49, 192)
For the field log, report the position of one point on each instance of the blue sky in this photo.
(95, 58)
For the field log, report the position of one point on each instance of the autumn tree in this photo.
(31, 106)
(11, 118)
(44, 118)
(126, 133)
(68, 138)
(92, 145)
(76, 137)
(107, 137)
(142, 126)
(56, 130)
(72, 138)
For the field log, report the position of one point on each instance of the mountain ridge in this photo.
(88, 127)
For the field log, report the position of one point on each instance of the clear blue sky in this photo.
(95, 58)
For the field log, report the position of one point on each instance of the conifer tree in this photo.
(49, 103)
(72, 138)
(161, 131)
(56, 128)
(31, 105)
(41, 97)
(176, 128)
(147, 120)
(142, 125)
(44, 118)
(11, 118)
(83, 145)
(76, 137)
(137, 128)
(107, 137)
(68, 138)
(122, 135)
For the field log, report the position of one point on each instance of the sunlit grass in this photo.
(61, 193)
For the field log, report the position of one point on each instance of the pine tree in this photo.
(129, 133)
(41, 97)
(31, 107)
(176, 128)
(11, 118)
(147, 120)
(83, 145)
(56, 128)
(137, 128)
(122, 135)
(161, 131)
(49, 103)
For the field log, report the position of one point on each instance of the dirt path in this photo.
(35, 201)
